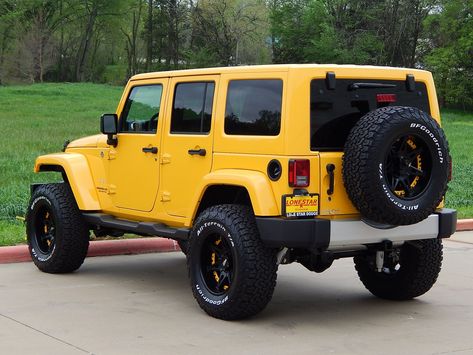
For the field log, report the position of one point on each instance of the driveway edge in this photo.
(20, 253)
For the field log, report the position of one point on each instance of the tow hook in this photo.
(387, 247)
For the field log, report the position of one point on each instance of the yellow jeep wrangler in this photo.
(252, 167)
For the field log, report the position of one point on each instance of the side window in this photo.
(141, 110)
(192, 108)
(254, 107)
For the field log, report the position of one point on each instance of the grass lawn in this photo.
(37, 119)
(459, 129)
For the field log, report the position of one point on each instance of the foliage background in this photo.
(107, 41)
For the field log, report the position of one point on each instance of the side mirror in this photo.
(109, 126)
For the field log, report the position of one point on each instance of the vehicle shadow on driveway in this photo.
(336, 296)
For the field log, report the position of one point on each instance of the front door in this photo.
(187, 140)
(134, 163)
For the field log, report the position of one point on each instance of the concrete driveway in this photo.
(143, 305)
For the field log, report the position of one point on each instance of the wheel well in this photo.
(55, 168)
(222, 194)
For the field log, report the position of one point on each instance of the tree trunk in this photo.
(149, 36)
(85, 43)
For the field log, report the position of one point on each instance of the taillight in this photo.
(299, 172)
(386, 98)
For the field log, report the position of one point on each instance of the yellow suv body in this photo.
(268, 144)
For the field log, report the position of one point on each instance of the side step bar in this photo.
(142, 228)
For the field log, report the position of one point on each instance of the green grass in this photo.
(37, 119)
(459, 129)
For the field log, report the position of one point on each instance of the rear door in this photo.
(187, 140)
(335, 111)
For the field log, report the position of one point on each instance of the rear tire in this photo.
(232, 274)
(413, 272)
(58, 237)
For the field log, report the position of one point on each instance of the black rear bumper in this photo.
(316, 233)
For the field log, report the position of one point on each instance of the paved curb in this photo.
(20, 253)
(465, 225)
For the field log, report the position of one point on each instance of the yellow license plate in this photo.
(300, 205)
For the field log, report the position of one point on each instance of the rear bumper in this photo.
(325, 234)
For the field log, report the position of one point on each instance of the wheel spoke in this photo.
(415, 171)
(405, 185)
(395, 184)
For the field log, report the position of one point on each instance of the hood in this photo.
(87, 142)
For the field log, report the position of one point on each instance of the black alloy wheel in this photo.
(217, 264)
(44, 232)
(408, 167)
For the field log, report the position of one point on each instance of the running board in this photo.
(142, 228)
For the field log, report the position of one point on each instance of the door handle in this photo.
(200, 152)
(153, 150)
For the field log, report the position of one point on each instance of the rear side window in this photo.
(192, 107)
(333, 113)
(254, 107)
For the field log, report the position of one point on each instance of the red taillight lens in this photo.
(386, 98)
(299, 172)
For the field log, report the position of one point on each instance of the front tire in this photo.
(232, 274)
(408, 272)
(58, 238)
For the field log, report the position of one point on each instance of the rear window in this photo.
(333, 113)
(254, 107)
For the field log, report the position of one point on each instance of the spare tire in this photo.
(396, 165)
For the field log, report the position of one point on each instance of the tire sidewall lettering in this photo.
(425, 131)
(393, 199)
(40, 199)
(37, 254)
(201, 232)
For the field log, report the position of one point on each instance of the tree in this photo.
(449, 36)
(131, 35)
(222, 28)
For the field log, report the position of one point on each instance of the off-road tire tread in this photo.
(421, 262)
(258, 263)
(183, 244)
(72, 248)
(356, 167)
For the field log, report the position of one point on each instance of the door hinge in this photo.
(165, 158)
(112, 154)
(112, 189)
(166, 196)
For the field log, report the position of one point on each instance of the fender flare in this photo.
(255, 182)
(77, 170)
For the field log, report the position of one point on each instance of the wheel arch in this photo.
(245, 187)
(75, 170)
